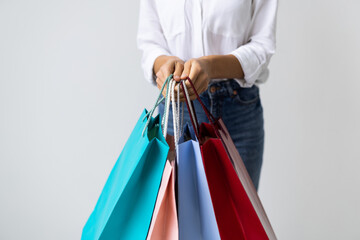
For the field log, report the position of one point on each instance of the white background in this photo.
(71, 89)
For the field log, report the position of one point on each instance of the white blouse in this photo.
(194, 28)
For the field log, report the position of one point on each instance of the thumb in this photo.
(186, 70)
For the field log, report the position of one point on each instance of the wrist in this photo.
(209, 65)
(223, 66)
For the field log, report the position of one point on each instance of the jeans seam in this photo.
(211, 101)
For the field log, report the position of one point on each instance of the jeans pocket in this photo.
(247, 96)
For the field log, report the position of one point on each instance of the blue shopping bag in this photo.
(196, 214)
(125, 206)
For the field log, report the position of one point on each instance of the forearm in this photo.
(223, 66)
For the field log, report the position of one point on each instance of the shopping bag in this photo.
(164, 223)
(126, 203)
(235, 213)
(196, 216)
(196, 213)
(125, 206)
(241, 172)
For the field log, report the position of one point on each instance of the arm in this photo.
(254, 56)
(223, 66)
(150, 38)
(201, 70)
(246, 63)
(156, 60)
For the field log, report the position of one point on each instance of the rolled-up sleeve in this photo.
(150, 38)
(254, 56)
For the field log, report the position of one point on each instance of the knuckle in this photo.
(178, 70)
(180, 67)
(163, 69)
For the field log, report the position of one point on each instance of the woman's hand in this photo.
(198, 70)
(166, 65)
(201, 70)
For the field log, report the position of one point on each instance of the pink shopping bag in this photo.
(164, 223)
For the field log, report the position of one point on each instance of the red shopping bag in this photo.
(242, 174)
(234, 212)
(237, 216)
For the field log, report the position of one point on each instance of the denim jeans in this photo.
(241, 110)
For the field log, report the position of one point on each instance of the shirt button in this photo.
(212, 89)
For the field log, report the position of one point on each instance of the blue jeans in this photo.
(241, 110)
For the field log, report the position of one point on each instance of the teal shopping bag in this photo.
(125, 206)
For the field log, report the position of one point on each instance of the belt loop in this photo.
(229, 87)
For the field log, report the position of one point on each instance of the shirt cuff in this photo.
(250, 66)
(148, 63)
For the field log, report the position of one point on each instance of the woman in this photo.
(224, 47)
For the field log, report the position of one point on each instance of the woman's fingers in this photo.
(178, 89)
(186, 71)
(201, 84)
(160, 83)
(181, 94)
(192, 69)
(195, 70)
(196, 81)
(162, 75)
(173, 66)
(179, 67)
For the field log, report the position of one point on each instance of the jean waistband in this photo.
(229, 87)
